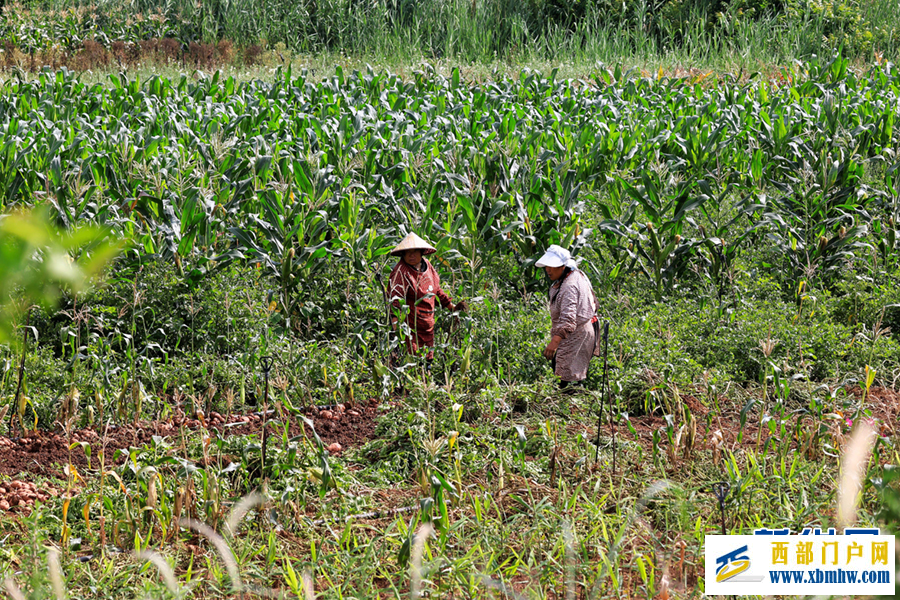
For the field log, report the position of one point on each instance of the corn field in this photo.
(677, 176)
(226, 415)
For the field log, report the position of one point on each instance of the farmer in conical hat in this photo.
(573, 313)
(415, 281)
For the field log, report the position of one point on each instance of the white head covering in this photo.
(557, 256)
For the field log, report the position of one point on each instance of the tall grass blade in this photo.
(164, 569)
(221, 547)
(853, 470)
(418, 549)
(569, 541)
(308, 587)
(56, 576)
(651, 491)
(240, 510)
(493, 584)
(13, 590)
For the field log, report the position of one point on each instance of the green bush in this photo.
(842, 23)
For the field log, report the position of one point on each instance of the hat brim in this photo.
(424, 251)
(549, 259)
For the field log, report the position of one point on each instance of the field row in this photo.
(674, 173)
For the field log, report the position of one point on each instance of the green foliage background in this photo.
(466, 30)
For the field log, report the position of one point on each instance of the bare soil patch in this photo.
(882, 403)
(45, 453)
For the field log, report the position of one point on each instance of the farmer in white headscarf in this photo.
(573, 313)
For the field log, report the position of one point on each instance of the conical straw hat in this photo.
(413, 242)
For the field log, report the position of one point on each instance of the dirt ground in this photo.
(45, 453)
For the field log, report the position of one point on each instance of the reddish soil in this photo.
(354, 428)
(46, 453)
(156, 51)
(882, 403)
(348, 427)
(19, 496)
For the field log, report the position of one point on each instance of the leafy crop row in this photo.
(677, 176)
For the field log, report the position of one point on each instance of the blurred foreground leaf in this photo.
(38, 262)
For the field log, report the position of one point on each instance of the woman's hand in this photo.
(550, 350)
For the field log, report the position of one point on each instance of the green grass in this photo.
(739, 229)
(674, 35)
(539, 522)
(508, 524)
